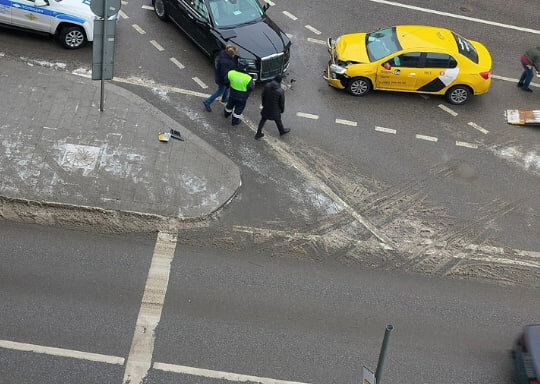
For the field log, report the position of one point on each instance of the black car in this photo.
(212, 24)
(526, 355)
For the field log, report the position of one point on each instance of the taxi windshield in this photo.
(382, 43)
(229, 13)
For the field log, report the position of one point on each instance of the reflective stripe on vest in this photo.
(239, 80)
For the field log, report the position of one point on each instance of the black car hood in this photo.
(260, 39)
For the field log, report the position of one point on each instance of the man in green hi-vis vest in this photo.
(241, 85)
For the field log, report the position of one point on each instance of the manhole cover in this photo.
(80, 156)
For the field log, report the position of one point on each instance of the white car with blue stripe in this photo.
(71, 21)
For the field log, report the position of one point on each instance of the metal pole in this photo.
(382, 355)
(104, 41)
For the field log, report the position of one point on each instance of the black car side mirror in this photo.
(265, 6)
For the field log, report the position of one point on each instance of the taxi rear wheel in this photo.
(159, 9)
(72, 37)
(358, 86)
(458, 94)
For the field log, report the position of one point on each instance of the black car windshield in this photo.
(382, 43)
(466, 48)
(229, 13)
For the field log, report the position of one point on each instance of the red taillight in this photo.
(533, 381)
(486, 75)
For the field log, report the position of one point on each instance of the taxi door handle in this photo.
(412, 74)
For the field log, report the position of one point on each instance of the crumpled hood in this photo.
(260, 39)
(352, 47)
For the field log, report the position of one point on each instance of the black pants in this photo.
(236, 107)
(277, 121)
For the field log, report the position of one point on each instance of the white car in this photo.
(71, 21)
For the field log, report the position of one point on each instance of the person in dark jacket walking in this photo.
(273, 102)
(241, 85)
(226, 62)
(530, 60)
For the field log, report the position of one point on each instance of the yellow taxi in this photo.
(409, 58)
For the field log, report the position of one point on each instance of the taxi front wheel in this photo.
(72, 37)
(358, 86)
(458, 94)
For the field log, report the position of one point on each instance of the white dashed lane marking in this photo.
(289, 35)
(290, 15)
(446, 109)
(307, 115)
(427, 138)
(124, 2)
(157, 45)
(149, 7)
(466, 145)
(448, 14)
(385, 130)
(314, 30)
(346, 122)
(123, 15)
(61, 352)
(270, 3)
(477, 127)
(138, 29)
(200, 82)
(316, 41)
(177, 63)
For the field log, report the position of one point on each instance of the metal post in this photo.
(104, 41)
(382, 355)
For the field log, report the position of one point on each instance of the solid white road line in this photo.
(511, 79)
(177, 63)
(290, 15)
(385, 130)
(313, 29)
(466, 145)
(142, 346)
(157, 45)
(446, 109)
(61, 352)
(346, 122)
(200, 82)
(307, 115)
(427, 10)
(123, 15)
(139, 29)
(149, 7)
(477, 127)
(427, 138)
(219, 374)
(317, 41)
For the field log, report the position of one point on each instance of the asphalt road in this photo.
(242, 312)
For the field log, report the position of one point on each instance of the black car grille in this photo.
(271, 66)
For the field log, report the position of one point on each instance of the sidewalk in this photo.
(57, 147)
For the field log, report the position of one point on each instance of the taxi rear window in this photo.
(466, 48)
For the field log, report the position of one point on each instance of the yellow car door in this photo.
(439, 72)
(399, 73)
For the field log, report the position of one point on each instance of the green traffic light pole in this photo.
(382, 354)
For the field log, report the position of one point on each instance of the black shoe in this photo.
(225, 114)
(520, 85)
(527, 89)
(207, 107)
(285, 131)
(258, 136)
(236, 122)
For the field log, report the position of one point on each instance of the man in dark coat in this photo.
(273, 102)
(226, 62)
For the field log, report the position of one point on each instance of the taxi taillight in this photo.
(486, 75)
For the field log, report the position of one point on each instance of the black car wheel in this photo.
(358, 86)
(458, 94)
(72, 37)
(159, 9)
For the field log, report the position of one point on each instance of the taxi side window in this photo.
(439, 60)
(410, 60)
(199, 7)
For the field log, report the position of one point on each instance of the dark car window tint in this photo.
(199, 7)
(466, 48)
(229, 13)
(439, 60)
(410, 60)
